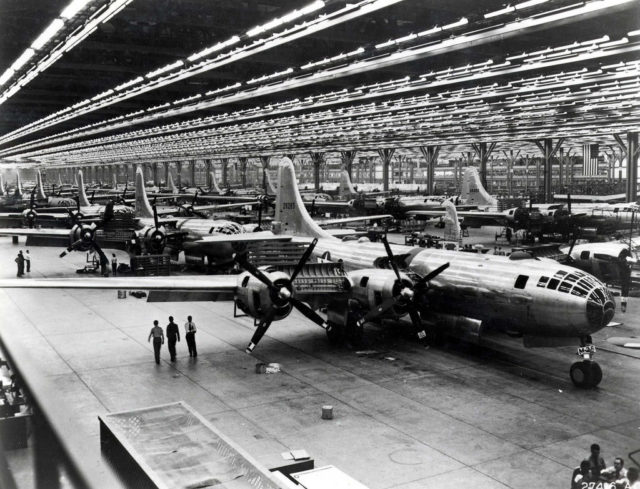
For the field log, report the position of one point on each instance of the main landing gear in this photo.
(586, 374)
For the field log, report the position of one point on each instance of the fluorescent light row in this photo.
(402, 83)
(350, 11)
(50, 32)
(290, 17)
(552, 97)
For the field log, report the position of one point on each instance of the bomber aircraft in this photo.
(545, 303)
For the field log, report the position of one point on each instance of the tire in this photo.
(586, 374)
(335, 335)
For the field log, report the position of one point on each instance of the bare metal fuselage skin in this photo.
(554, 300)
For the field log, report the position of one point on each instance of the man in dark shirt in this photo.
(173, 334)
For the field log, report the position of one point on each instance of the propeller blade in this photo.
(103, 257)
(434, 274)
(93, 194)
(390, 255)
(261, 330)
(309, 313)
(253, 270)
(71, 247)
(417, 324)
(155, 217)
(201, 214)
(303, 259)
(195, 199)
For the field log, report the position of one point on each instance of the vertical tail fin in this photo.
(271, 188)
(452, 231)
(473, 193)
(75, 181)
(143, 207)
(346, 188)
(172, 186)
(84, 202)
(291, 215)
(1, 185)
(40, 195)
(59, 180)
(214, 183)
(114, 180)
(18, 183)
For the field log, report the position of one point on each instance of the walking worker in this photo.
(114, 264)
(190, 335)
(20, 261)
(27, 259)
(158, 339)
(173, 334)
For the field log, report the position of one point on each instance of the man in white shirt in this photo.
(190, 335)
(27, 260)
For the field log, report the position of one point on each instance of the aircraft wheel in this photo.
(586, 374)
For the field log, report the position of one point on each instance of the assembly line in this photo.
(375, 244)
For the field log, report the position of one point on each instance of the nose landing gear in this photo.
(586, 374)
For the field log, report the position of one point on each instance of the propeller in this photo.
(281, 293)
(93, 194)
(406, 294)
(85, 234)
(189, 209)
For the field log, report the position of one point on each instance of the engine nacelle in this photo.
(154, 239)
(255, 299)
(83, 235)
(372, 287)
(29, 216)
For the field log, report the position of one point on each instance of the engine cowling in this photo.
(372, 287)
(154, 239)
(255, 299)
(83, 235)
(29, 216)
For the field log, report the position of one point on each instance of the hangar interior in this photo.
(539, 96)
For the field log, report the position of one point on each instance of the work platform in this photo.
(405, 417)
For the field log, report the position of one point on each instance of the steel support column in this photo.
(483, 151)
(632, 166)
(385, 155)
(317, 159)
(265, 168)
(243, 170)
(179, 174)
(192, 172)
(548, 151)
(430, 154)
(208, 168)
(347, 160)
(225, 172)
(511, 160)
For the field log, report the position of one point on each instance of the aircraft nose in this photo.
(600, 308)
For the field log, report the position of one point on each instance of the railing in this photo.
(59, 445)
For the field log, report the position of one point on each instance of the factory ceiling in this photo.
(118, 80)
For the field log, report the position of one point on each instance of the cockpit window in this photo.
(553, 283)
(579, 291)
(584, 255)
(560, 274)
(521, 281)
(543, 281)
(565, 287)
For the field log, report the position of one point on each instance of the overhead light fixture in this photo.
(530, 3)
(459, 23)
(6, 76)
(73, 8)
(164, 69)
(503, 11)
(48, 33)
(286, 18)
(217, 47)
(22, 60)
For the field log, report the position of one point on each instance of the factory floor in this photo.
(405, 416)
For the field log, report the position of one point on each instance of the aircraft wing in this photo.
(46, 233)
(163, 289)
(227, 198)
(326, 204)
(342, 232)
(591, 198)
(239, 238)
(471, 217)
(332, 222)
(212, 207)
(14, 215)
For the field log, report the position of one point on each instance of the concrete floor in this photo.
(405, 417)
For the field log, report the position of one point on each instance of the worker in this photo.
(190, 335)
(114, 264)
(20, 261)
(27, 259)
(158, 339)
(173, 334)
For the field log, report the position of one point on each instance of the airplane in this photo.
(547, 304)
